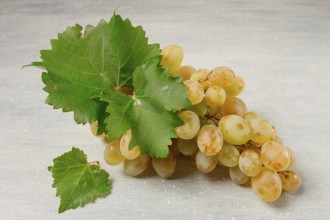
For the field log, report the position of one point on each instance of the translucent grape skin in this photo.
(124, 147)
(165, 167)
(112, 154)
(237, 176)
(137, 166)
(184, 72)
(172, 56)
(234, 129)
(229, 155)
(261, 130)
(234, 106)
(236, 87)
(249, 163)
(204, 163)
(275, 156)
(221, 76)
(267, 185)
(209, 140)
(292, 158)
(215, 96)
(187, 147)
(200, 76)
(192, 124)
(94, 126)
(195, 91)
(249, 115)
(200, 109)
(291, 180)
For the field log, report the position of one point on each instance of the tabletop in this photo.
(281, 48)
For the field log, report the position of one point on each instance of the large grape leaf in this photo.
(80, 67)
(148, 113)
(78, 182)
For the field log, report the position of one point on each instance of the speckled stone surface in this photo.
(281, 48)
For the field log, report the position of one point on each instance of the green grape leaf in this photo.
(78, 182)
(79, 67)
(149, 112)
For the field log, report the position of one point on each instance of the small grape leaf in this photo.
(80, 67)
(78, 182)
(149, 112)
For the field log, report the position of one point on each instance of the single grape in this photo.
(215, 96)
(191, 125)
(233, 106)
(249, 115)
(291, 180)
(228, 155)
(112, 154)
(136, 166)
(184, 72)
(164, 167)
(267, 185)
(124, 147)
(187, 147)
(221, 76)
(292, 158)
(200, 109)
(204, 163)
(261, 130)
(172, 57)
(275, 156)
(94, 126)
(249, 163)
(195, 91)
(209, 140)
(237, 176)
(236, 87)
(235, 130)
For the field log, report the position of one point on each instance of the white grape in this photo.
(195, 91)
(261, 130)
(184, 72)
(136, 166)
(164, 167)
(234, 129)
(221, 76)
(228, 155)
(237, 176)
(233, 106)
(209, 140)
(204, 163)
(236, 87)
(125, 140)
(172, 57)
(200, 109)
(249, 163)
(191, 125)
(187, 147)
(215, 96)
(112, 154)
(275, 156)
(291, 180)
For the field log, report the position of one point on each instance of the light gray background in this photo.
(281, 48)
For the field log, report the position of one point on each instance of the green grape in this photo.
(249, 115)
(209, 140)
(164, 167)
(215, 96)
(184, 72)
(233, 106)
(275, 156)
(112, 154)
(237, 176)
(172, 57)
(204, 163)
(221, 76)
(191, 125)
(261, 130)
(228, 155)
(267, 185)
(195, 91)
(136, 166)
(200, 109)
(249, 163)
(236, 87)
(291, 180)
(234, 129)
(187, 147)
(124, 144)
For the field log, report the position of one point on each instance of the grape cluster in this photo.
(217, 130)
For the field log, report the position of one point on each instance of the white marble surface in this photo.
(282, 48)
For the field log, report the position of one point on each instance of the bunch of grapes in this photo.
(217, 130)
